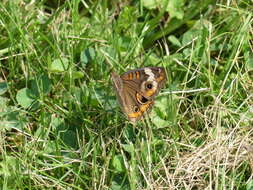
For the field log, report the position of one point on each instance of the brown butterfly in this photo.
(136, 90)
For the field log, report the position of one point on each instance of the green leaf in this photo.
(70, 138)
(160, 123)
(41, 84)
(161, 105)
(189, 36)
(59, 65)
(129, 148)
(173, 39)
(119, 182)
(152, 4)
(13, 119)
(118, 163)
(175, 8)
(88, 55)
(25, 97)
(78, 74)
(58, 124)
(161, 112)
(3, 87)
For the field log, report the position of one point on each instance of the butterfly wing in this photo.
(148, 80)
(136, 90)
(131, 102)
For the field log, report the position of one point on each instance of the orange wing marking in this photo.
(130, 76)
(137, 74)
(143, 108)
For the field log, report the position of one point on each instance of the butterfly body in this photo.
(136, 90)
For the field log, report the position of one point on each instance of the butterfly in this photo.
(136, 90)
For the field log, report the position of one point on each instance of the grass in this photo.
(61, 126)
